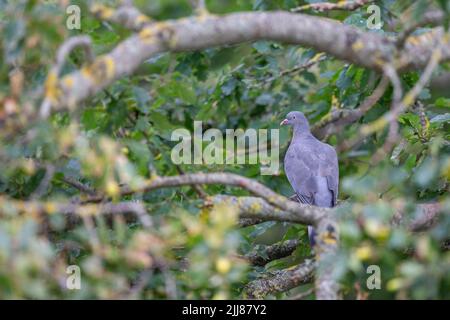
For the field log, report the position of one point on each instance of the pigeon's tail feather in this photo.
(312, 236)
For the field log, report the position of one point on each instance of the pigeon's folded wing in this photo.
(312, 170)
(333, 176)
(300, 168)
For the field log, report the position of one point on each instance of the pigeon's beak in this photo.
(284, 122)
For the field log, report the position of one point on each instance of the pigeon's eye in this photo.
(293, 117)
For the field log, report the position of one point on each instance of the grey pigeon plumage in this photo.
(311, 166)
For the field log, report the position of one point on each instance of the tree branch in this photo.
(429, 215)
(326, 247)
(281, 281)
(69, 209)
(339, 118)
(304, 66)
(125, 15)
(301, 213)
(196, 33)
(52, 92)
(392, 135)
(78, 185)
(430, 17)
(327, 6)
(197, 188)
(266, 254)
(407, 100)
(302, 295)
(258, 209)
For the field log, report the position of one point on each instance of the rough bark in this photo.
(345, 42)
(281, 281)
(273, 252)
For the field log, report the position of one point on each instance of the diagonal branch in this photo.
(281, 281)
(339, 118)
(429, 215)
(276, 251)
(407, 100)
(78, 185)
(304, 66)
(392, 135)
(51, 84)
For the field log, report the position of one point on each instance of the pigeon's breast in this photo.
(299, 154)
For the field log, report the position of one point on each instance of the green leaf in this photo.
(442, 102)
(162, 124)
(426, 173)
(264, 99)
(142, 97)
(229, 86)
(262, 47)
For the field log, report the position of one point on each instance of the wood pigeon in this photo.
(311, 166)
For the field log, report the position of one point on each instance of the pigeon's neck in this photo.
(301, 132)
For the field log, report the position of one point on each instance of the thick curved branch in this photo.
(266, 254)
(254, 208)
(429, 215)
(68, 46)
(196, 33)
(52, 92)
(295, 211)
(281, 281)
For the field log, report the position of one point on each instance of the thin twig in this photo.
(51, 84)
(45, 182)
(306, 65)
(93, 237)
(408, 99)
(333, 123)
(302, 295)
(273, 252)
(393, 135)
(197, 188)
(78, 185)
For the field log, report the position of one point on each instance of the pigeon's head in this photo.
(297, 120)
